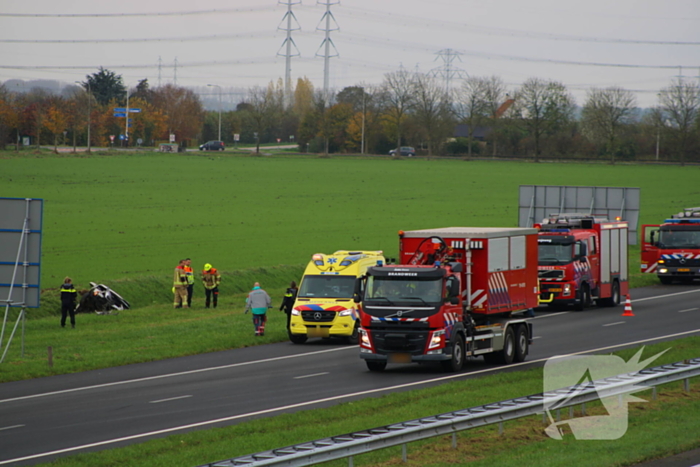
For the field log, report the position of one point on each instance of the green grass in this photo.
(657, 428)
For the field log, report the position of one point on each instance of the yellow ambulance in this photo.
(324, 306)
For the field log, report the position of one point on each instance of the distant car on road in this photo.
(404, 151)
(212, 146)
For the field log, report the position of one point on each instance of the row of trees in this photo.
(538, 118)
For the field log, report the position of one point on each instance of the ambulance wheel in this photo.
(353, 339)
(297, 338)
(584, 298)
(522, 343)
(457, 361)
(665, 280)
(375, 366)
(614, 298)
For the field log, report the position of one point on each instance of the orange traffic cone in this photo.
(628, 307)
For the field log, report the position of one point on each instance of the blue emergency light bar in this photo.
(685, 220)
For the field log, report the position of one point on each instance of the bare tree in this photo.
(432, 110)
(605, 112)
(399, 89)
(543, 107)
(263, 104)
(680, 102)
(471, 105)
(497, 103)
(182, 109)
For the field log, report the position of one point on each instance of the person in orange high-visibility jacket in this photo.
(180, 286)
(189, 272)
(211, 280)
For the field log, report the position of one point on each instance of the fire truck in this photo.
(672, 249)
(582, 258)
(457, 292)
(324, 306)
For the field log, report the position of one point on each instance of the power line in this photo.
(143, 39)
(289, 43)
(129, 15)
(327, 44)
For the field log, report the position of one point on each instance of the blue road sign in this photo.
(135, 110)
(119, 114)
(119, 109)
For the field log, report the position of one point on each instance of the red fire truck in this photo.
(457, 292)
(582, 258)
(672, 249)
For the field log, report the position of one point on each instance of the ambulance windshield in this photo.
(555, 250)
(327, 286)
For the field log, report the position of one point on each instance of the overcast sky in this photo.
(640, 45)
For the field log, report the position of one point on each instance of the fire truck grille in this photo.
(683, 262)
(551, 274)
(321, 316)
(400, 340)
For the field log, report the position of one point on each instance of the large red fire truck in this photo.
(457, 292)
(672, 249)
(582, 258)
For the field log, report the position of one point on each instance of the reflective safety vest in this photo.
(211, 278)
(189, 273)
(180, 279)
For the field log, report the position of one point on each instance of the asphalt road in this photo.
(46, 418)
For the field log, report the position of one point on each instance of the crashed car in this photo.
(102, 300)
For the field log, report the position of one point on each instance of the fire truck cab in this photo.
(582, 259)
(672, 249)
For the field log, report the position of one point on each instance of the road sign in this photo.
(135, 110)
(119, 114)
(236, 137)
(120, 109)
(111, 137)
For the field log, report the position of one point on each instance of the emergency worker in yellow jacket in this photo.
(211, 280)
(180, 286)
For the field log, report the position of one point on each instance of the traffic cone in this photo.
(628, 307)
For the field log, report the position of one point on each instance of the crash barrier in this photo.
(351, 444)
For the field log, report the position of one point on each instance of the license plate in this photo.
(399, 358)
(683, 269)
(317, 332)
(558, 289)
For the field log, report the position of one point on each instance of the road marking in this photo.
(665, 296)
(11, 427)
(614, 324)
(326, 399)
(689, 309)
(550, 315)
(170, 375)
(170, 399)
(537, 337)
(311, 376)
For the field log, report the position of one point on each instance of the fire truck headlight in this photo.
(663, 270)
(437, 340)
(364, 339)
(567, 289)
(296, 312)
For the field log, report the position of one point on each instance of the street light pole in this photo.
(89, 96)
(217, 86)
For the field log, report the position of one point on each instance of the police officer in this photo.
(68, 296)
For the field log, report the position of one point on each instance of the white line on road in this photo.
(614, 324)
(326, 399)
(11, 427)
(311, 376)
(689, 309)
(170, 399)
(170, 375)
(667, 295)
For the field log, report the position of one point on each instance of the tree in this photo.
(471, 105)
(432, 111)
(399, 99)
(303, 97)
(497, 103)
(56, 121)
(182, 110)
(543, 107)
(680, 102)
(105, 85)
(605, 112)
(262, 106)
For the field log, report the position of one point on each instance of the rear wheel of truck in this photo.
(457, 361)
(506, 355)
(297, 338)
(522, 343)
(375, 366)
(614, 298)
(353, 339)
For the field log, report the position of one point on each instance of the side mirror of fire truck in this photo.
(357, 294)
(452, 290)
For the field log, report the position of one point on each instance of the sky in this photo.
(639, 45)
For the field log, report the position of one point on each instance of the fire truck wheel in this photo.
(522, 346)
(375, 366)
(297, 338)
(353, 339)
(614, 298)
(584, 298)
(457, 361)
(506, 355)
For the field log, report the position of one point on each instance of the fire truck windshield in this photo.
(327, 286)
(681, 236)
(405, 290)
(555, 250)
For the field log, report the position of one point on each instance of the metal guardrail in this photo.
(351, 444)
